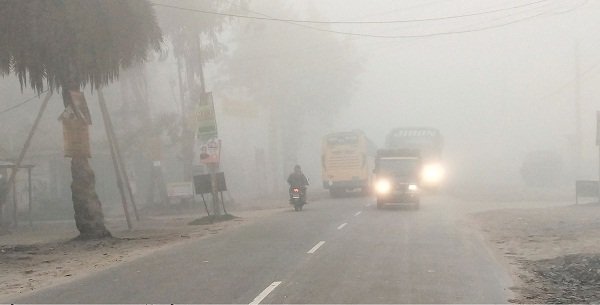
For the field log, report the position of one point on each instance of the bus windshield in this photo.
(343, 139)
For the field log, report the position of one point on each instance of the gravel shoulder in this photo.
(553, 253)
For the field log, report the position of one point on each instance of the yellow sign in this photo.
(76, 120)
(76, 138)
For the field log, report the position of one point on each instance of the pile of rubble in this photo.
(566, 280)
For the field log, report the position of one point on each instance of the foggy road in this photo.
(336, 251)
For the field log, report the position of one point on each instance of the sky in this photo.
(495, 94)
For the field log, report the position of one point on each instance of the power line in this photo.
(572, 9)
(402, 9)
(503, 18)
(415, 36)
(349, 22)
(22, 103)
(300, 23)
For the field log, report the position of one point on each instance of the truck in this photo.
(397, 177)
(428, 142)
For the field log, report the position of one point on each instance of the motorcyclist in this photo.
(297, 179)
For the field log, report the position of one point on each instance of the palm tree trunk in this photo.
(89, 217)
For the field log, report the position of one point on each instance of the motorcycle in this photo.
(297, 198)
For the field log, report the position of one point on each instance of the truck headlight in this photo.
(383, 186)
(432, 173)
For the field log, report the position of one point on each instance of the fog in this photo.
(495, 95)
(507, 88)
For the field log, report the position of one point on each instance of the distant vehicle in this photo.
(397, 176)
(347, 162)
(429, 142)
(542, 168)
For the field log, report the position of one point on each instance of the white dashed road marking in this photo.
(316, 247)
(265, 293)
(342, 225)
(357, 213)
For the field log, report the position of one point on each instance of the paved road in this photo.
(336, 251)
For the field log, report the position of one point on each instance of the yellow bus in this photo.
(347, 162)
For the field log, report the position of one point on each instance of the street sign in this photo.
(206, 119)
(203, 185)
(210, 152)
(180, 190)
(76, 138)
(76, 120)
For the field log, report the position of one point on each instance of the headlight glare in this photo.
(383, 186)
(432, 173)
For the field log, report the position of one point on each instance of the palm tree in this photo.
(195, 41)
(68, 44)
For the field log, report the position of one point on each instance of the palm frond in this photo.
(59, 43)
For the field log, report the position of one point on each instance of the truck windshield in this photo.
(414, 142)
(398, 166)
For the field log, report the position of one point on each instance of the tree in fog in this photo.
(299, 76)
(195, 40)
(66, 45)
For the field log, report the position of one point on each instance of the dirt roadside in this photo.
(553, 253)
(31, 259)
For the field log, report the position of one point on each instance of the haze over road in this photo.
(336, 251)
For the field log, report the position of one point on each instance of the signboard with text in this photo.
(180, 190)
(210, 151)
(206, 119)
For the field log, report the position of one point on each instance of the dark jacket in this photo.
(297, 180)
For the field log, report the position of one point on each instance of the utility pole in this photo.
(181, 98)
(598, 144)
(120, 160)
(113, 155)
(192, 61)
(274, 138)
(578, 135)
